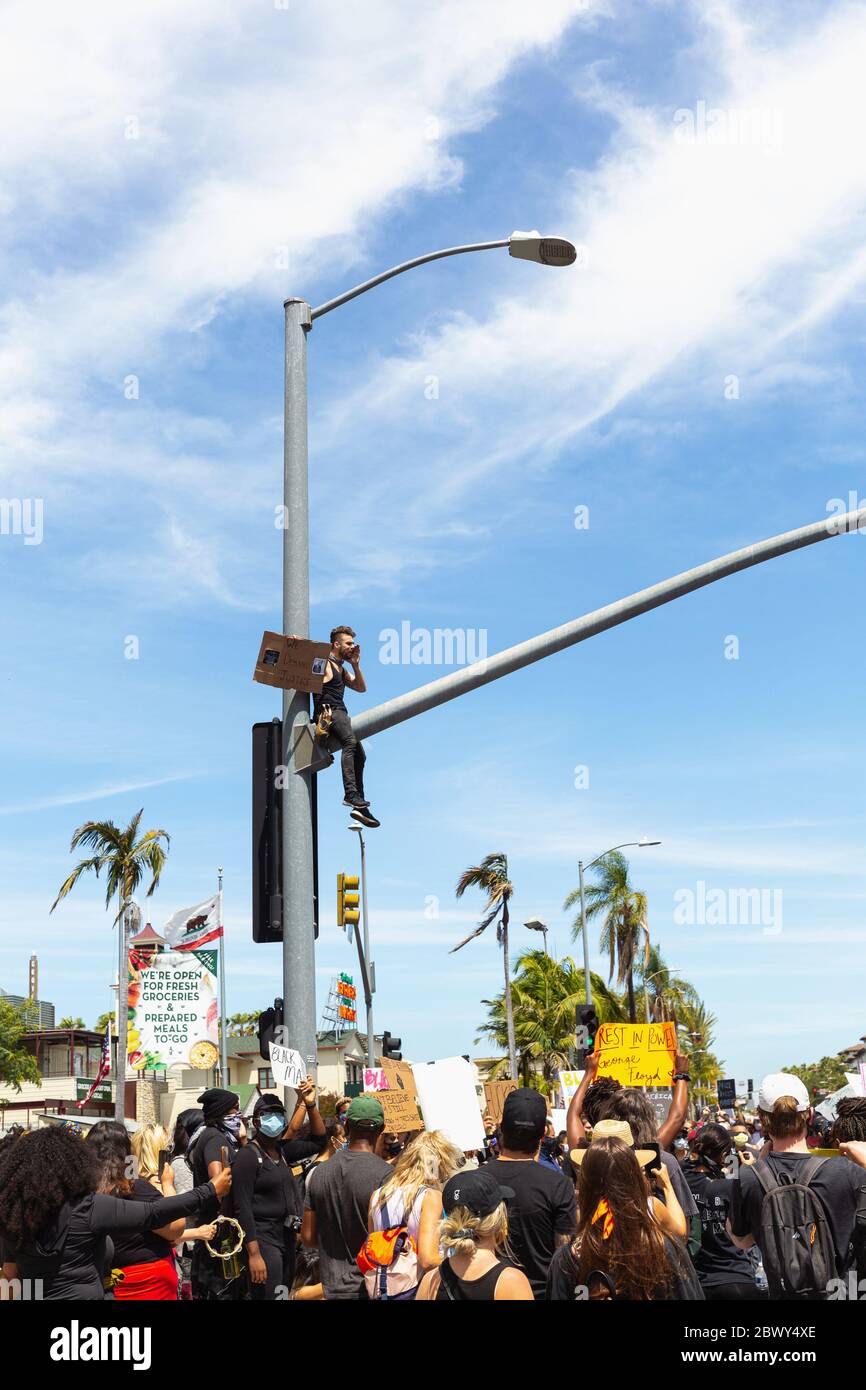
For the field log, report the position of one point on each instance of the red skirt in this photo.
(156, 1280)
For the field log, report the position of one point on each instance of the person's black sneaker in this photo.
(347, 801)
(365, 816)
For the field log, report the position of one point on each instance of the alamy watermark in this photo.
(22, 516)
(840, 522)
(760, 126)
(439, 646)
(729, 907)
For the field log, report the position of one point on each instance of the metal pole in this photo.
(122, 1018)
(224, 1068)
(587, 979)
(438, 692)
(299, 979)
(645, 1003)
(368, 992)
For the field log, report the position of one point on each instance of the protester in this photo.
(794, 1266)
(474, 1235)
(412, 1195)
(213, 1146)
(619, 1250)
(338, 1200)
(662, 1201)
(850, 1122)
(186, 1124)
(54, 1222)
(307, 1121)
(268, 1202)
(541, 1213)
(335, 1139)
(725, 1271)
(307, 1283)
(145, 1259)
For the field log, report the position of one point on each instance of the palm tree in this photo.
(668, 993)
(625, 919)
(72, 1023)
(491, 876)
(102, 1023)
(545, 994)
(696, 1037)
(241, 1025)
(127, 859)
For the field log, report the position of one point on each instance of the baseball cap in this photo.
(476, 1189)
(366, 1110)
(778, 1084)
(268, 1102)
(525, 1109)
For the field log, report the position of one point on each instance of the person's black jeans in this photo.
(353, 756)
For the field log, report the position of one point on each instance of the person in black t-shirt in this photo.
(344, 649)
(268, 1199)
(211, 1147)
(542, 1213)
(725, 1271)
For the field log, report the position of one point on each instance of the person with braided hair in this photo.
(724, 1271)
(850, 1123)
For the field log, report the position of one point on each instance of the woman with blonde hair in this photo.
(474, 1235)
(146, 1258)
(412, 1195)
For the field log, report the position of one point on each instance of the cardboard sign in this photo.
(291, 663)
(287, 1065)
(637, 1054)
(494, 1097)
(401, 1111)
(398, 1077)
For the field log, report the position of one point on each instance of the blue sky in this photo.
(696, 382)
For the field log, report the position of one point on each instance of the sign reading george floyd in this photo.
(291, 663)
(637, 1054)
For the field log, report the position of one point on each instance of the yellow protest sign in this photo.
(637, 1054)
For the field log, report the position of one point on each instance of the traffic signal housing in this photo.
(391, 1048)
(347, 900)
(269, 1021)
(586, 1025)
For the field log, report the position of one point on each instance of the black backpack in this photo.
(796, 1239)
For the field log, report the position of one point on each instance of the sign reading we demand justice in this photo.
(637, 1054)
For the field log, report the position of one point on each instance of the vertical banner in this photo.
(172, 1002)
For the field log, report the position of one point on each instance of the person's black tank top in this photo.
(480, 1290)
(332, 690)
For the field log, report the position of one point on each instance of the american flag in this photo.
(104, 1067)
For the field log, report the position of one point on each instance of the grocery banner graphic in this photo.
(172, 1002)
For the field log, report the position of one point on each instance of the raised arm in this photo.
(573, 1123)
(679, 1105)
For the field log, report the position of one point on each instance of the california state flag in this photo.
(194, 926)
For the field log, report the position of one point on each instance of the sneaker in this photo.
(365, 816)
(347, 801)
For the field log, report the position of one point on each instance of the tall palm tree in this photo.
(491, 876)
(69, 1022)
(668, 993)
(545, 994)
(697, 1034)
(127, 858)
(625, 919)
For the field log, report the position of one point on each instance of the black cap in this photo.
(476, 1189)
(268, 1102)
(525, 1109)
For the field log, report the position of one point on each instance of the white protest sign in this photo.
(449, 1100)
(287, 1065)
(374, 1079)
(568, 1084)
(558, 1118)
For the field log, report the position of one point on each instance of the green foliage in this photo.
(72, 1023)
(126, 859)
(624, 911)
(16, 1064)
(241, 1025)
(102, 1023)
(826, 1075)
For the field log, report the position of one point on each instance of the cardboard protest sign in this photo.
(287, 1065)
(494, 1097)
(398, 1077)
(637, 1054)
(569, 1081)
(401, 1111)
(446, 1091)
(291, 663)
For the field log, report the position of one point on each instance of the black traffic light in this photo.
(269, 1021)
(586, 1026)
(391, 1048)
(268, 834)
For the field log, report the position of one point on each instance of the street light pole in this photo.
(299, 972)
(668, 970)
(630, 844)
(299, 991)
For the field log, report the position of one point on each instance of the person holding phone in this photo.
(724, 1271)
(344, 649)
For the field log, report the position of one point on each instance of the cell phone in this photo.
(161, 1162)
(654, 1164)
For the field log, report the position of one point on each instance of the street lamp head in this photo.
(644, 844)
(536, 924)
(546, 250)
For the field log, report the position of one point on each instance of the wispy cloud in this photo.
(74, 798)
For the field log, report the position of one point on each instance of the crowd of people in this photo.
(293, 1206)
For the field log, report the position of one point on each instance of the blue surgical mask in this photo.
(272, 1123)
(232, 1123)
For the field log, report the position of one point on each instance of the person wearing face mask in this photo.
(268, 1202)
(214, 1146)
(724, 1271)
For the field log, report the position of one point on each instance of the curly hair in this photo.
(597, 1097)
(110, 1145)
(38, 1174)
(850, 1123)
